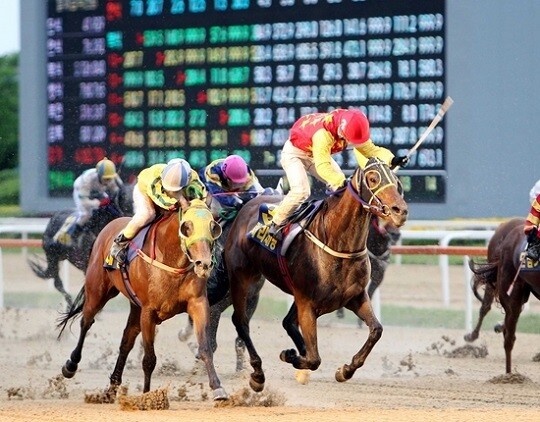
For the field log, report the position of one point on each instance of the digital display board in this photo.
(143, 81)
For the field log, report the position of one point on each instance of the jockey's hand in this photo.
(103, 202)
(532, 236)
(237, 202)
(399, 162)
(174, 207)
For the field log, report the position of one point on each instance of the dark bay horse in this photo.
(511, 284)
(167, 278)
(79, 253)
(380, 238)
(493, 252)
(325, 268)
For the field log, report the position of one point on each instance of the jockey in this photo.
(158, 187)
(91, 190)
(312, 141)
(532, 231)
(230, 182)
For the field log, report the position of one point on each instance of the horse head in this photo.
(381, 190)
(198, 231)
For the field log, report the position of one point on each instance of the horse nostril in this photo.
(396, 210)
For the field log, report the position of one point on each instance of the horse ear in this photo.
(215, 229)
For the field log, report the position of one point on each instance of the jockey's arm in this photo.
(533, 219)
(322, 158)
(368, 149)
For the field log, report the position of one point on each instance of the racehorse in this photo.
(325, 268)
(511, 283)
(380, 238)
(78, 253)
(493, 252)
(167, 277)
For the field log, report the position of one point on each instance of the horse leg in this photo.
(239, 345)
(199, 311)
(290, 324)
(485, 307)
(132, 330)
(512, 309)
(362, 307)
(240, 320)
(148, 329)
(185, 333)
(92, 305)
(59, 285)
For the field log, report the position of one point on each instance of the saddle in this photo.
(293, 226)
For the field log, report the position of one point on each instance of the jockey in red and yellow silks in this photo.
(313, 139)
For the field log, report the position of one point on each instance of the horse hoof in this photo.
(287, 355)
(469, 338)
(69, 373)
(220, 394)
(256, 386)
(340, 376)
(498, 328)
(302, 376)
(183, 335)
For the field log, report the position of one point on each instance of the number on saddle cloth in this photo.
(302, 216)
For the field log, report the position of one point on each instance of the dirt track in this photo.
(408, 376)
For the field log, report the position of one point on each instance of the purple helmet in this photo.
(235, 169)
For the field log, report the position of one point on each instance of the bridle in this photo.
(368, 199)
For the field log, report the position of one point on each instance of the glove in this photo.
(399, 162)
(237, 203)
(103, 202)
(268, 191)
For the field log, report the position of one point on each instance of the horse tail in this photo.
(74, 310)
(39, 270)
(484, 273)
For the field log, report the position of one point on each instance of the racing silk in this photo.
(533, 219)
(89, 190)
(149, 182)
(535, 191)
(217, 184)
(317, 134)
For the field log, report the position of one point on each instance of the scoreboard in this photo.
(144, 81)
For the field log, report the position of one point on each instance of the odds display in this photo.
(143, 81)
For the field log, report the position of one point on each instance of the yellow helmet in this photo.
(106, 169)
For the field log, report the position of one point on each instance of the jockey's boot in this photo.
(533, 251)
(74, 232)
(119, 248)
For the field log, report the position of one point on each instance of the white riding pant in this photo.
(296, 164)
(85, 207)
(145, 213)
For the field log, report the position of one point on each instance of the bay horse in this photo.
(167, 277)
(77, 254)
(325, 268)
(512, 285)
(493, 251)
(380, 238)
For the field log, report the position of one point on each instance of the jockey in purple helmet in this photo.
(226, 179)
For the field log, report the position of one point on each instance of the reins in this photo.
(380, 210)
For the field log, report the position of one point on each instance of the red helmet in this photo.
(354, 127)
(235, 169)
